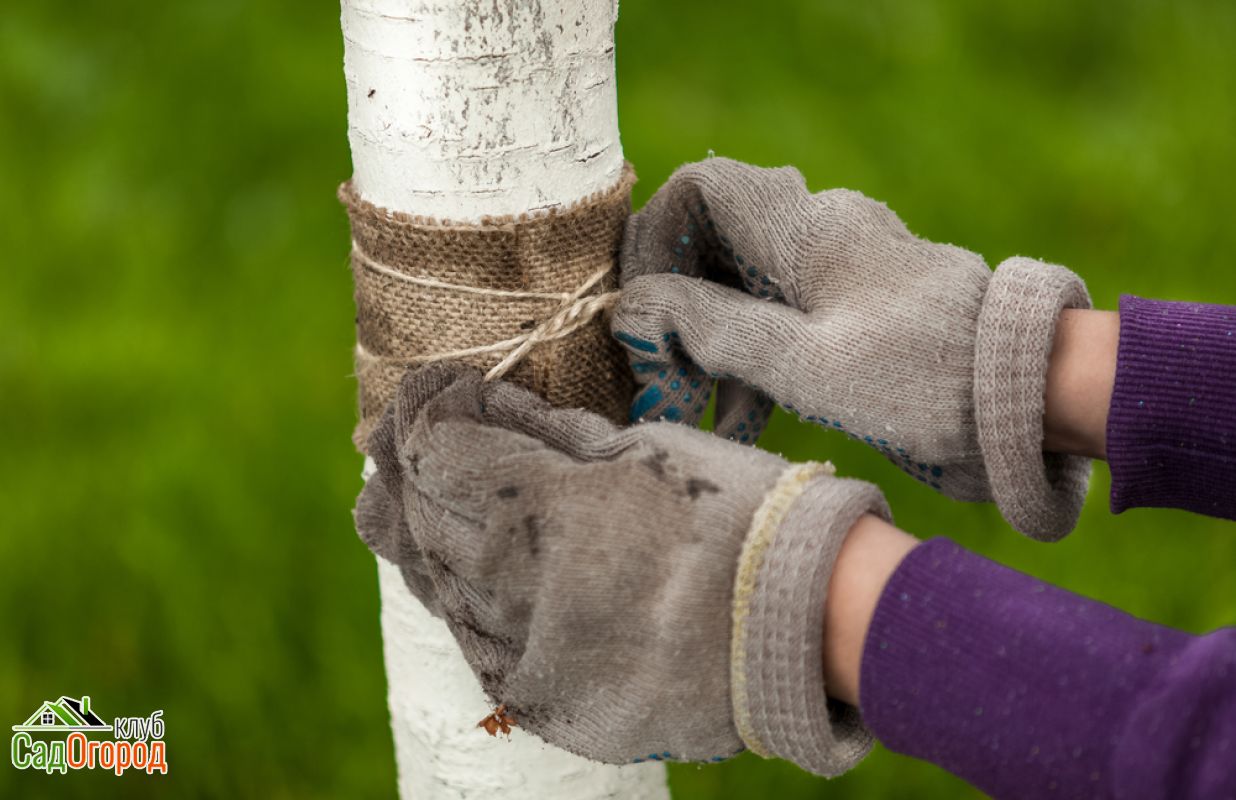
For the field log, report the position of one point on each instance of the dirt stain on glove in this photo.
(699, 486)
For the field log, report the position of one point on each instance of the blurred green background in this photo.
(176, 475)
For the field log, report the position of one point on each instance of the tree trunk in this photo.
(462, 110)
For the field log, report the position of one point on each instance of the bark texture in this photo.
(462, 111)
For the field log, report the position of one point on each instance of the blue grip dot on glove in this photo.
(671, 386)
(674, 388)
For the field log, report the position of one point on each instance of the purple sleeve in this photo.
(1026, 690)
(1171, 427)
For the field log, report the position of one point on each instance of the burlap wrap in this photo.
(553, 251)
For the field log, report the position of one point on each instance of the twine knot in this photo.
(575, 310)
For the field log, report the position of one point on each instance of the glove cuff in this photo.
(1040, 494)
(777, 659)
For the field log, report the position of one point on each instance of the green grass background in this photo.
(176, 474)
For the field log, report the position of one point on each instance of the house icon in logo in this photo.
(63, 716)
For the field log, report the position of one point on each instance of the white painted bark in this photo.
(460, 110)
(463, 109)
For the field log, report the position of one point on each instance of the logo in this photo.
(134, 743)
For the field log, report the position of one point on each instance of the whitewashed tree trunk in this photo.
(463, 109)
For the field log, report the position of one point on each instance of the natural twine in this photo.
(519, 297)
(574, 312)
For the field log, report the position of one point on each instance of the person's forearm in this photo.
(1080, 377)
(870, 554)
(1027, 690)
(1153, 391)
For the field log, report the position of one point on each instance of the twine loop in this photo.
(575, 309)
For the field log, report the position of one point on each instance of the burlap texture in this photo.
(553, 251)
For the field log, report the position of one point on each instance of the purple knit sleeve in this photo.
(1026, 690)
(1171, 427)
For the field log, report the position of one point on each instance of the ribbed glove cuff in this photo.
(1040, 494)
(777, 659)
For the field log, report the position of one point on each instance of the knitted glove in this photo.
(848, 319)
(629, 594)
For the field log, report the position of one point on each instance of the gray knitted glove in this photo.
(629, 594)
(848, 319)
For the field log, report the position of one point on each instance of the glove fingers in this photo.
(707, 216)
(380, 521)
(576, 432)
(459, 579)
(416, 388)
(429, 385)
(715, 219)
(381, 508)
(460, 463)
(664, 236)
(742, 412)
(670, 385)
(678, 392)
(669, 320)
(382, 525)
(450, 529)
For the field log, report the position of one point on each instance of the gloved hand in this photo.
(827, 304)
(644, 593)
